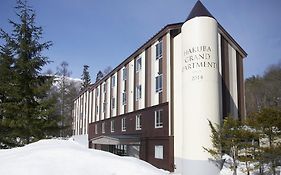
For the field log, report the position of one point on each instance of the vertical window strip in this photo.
(138, 92)
(158, 83)
(158, 119)
(123, 124)
(112, 127)
(138, 64)
(124, 99)
(159, 50)
(113, 103)
(124, 73)
(103, 127)
(138, 122)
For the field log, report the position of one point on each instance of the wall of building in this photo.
(232, 79)
(148, 134)
(231, 72)
(177, 99)
(95, 105)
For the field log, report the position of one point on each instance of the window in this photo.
(112, 126)
(104, 97)
(104, 87)
(82, 107)
(123, 124)
(124, 100)
(97, 110)
(96, 129)
(97, 92)
(113, 81)
(138, 64)
(158, 83)
(112, 103)
(138, 92)
(138, 122)
(104, 107)
(124, 73)
(103, 127)
(159, 152)
(159, 50)
(158, 119)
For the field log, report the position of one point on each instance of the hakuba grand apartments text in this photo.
(156, 104)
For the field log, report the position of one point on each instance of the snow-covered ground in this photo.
(67, 157)
(241, 170)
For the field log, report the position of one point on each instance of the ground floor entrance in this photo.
(157, 150)
(121, 150)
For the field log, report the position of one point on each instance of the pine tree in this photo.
(231, 140)
(33, 116)
(107, 70)
(269, 124)
(255, 141)
(249, 148)
(7, 93)
(226, 140)
(85, 77)
(99, 76)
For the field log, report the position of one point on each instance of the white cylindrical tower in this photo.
(200, 90)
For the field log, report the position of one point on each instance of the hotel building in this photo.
(156, 104)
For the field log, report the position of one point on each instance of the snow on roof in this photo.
(67, 157)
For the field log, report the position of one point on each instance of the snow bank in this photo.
(81, 139)
(67, 157)
(241, 170)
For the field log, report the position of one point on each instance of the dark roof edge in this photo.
(84, 90)
(144, 46)
(228, 36)
(148, 43)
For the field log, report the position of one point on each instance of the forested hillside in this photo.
(265, 90)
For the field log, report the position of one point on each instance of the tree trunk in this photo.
(260, 170)
(273, 167)
(235, 171)
(235, 165)
(248, 168)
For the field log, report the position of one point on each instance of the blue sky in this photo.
(103, 33)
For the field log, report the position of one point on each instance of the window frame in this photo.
(97, 110)
(103, 127)
(124, 73)
(104, 107)
(112, 126)
(113, 81)
(104, 87)
(158, 123)
(138, 64)
(138, 92)
(96, 128)
(159, 88)
(138, 122)
(97, 92)
(159, 50)
(124, 98)
(123, 124)
(159, 152)
(112, 102)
